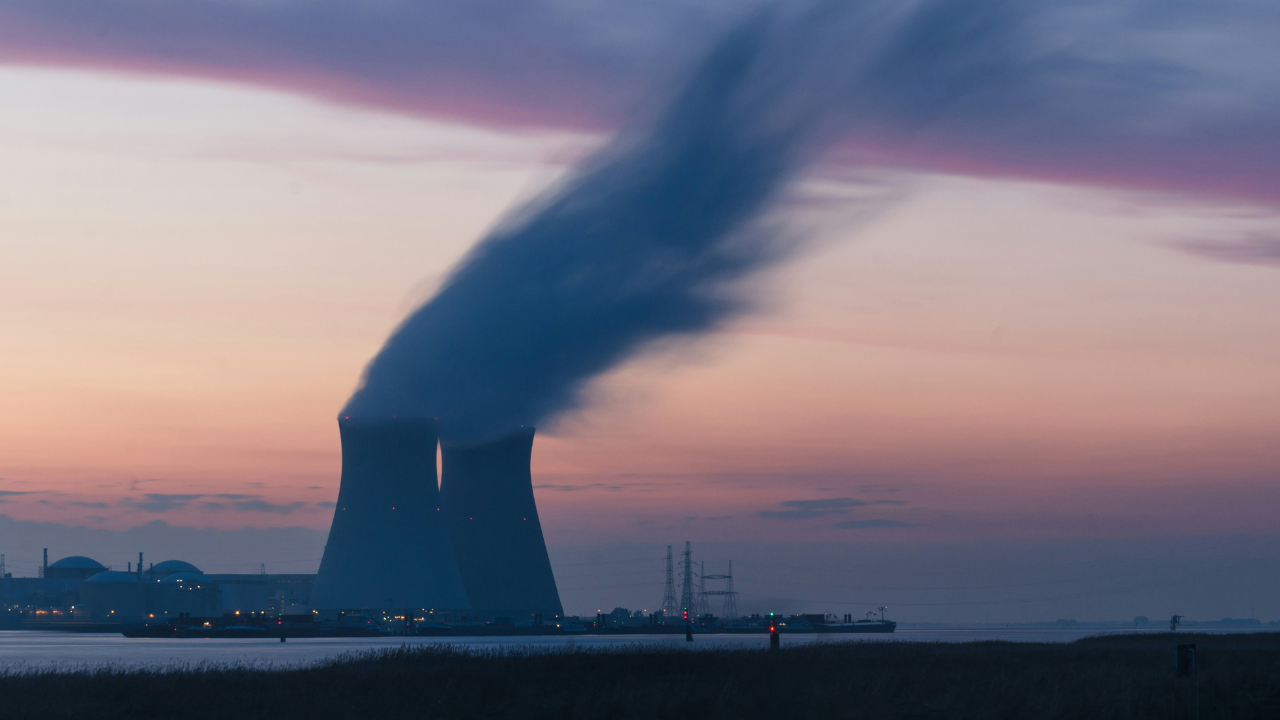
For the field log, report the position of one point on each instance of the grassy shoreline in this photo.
(1116, 676)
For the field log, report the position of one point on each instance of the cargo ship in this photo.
(859, 626)
(868, 624)
(812, 623)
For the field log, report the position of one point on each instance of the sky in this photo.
(1032, 380)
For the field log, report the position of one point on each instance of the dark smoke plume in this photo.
(641, 243)
(647, 239)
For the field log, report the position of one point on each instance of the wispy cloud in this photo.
(160, 502)
(806, 509)
(872, 523)
(611, 487)
(267, 507)
(1183, 97)
(6, 494)
(58, 502)
(1250, 250)
(253, 504)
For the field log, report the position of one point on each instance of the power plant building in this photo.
(468, 547)
(74, 567)
(487, 495)
(471, 546)
(115, 596)
(80, 588)
(388, 547)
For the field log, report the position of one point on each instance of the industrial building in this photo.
(487, 499)
(80, 589)
(388, 547)
(75, 567)
(465, 547)
(468, 547)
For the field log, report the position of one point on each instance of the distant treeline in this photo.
(1124, 676)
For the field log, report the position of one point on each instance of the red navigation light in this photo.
(773, 629)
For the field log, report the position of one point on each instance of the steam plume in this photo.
(640, 244)
(647, 239)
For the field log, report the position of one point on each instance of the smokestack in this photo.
(44, 570)
(487, 495)
(387, 547)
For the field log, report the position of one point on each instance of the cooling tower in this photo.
(388, 547)
(487, 495)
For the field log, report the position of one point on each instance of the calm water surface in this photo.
(21, 650)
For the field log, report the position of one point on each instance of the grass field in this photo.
(1124, 676)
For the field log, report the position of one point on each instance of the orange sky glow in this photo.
(193, 274)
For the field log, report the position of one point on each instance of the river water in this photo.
(22, 651)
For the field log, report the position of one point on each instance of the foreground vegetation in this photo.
(1128, 676)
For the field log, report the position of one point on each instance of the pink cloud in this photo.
(1094, 101)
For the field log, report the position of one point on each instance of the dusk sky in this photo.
(1033, 330)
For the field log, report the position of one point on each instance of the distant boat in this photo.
(869, 624)
(858, 626)
(813, 623)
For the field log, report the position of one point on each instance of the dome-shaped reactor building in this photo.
(74, 567)
(169, 567)
(388, 548)
(114, 596)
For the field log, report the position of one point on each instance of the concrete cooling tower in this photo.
(487, 496)
(388, 547)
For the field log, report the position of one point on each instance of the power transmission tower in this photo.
(687, 600)
(703, 608)
(669, 607)
(730, 595)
